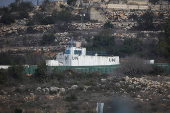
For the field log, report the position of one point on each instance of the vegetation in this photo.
(16, 72)
(7, 18)
(71, 2)
(135, 66)
(103, 42)
(31, 30)
(71, 97)
(41, 72)
(164, 44)
(25, 6)
(3, 76)
(108, 25)
(47, 39)
(18, 110)
(145, 21)
(154, 1)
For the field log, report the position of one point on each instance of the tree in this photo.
(165, 42)
(41, 72)
(145, 21)
(108, 25)
(71, 2)
(65, 15)
(154, 1)
(3, 76)
(48, 39)
(131, 46)
(16, 72)
(7, 19)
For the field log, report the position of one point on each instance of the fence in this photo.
(81, 69)
(88, 69)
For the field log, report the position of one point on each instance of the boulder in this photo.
(74, 87)
(117, 84)
(46, 90)
(54, 89)
(103, 80)
(32, 94)
(132, 86)
(62, 90)
(38, 89)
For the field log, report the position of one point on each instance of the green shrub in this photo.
(71, 2)
(47, 20)
(30, 23)
(70, 111)
(17, 90)
(47, 39)
(31, 30)
(16, 72)
(7, 19)
(108, 25)
(41, 72)
(23, 14)
(18, 110)
(52, 92)
(71, 98)
(3, 77)
(156, 70)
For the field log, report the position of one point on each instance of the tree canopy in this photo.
(145, 21)
(48, 39)
(165, 43)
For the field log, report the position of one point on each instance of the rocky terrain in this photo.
(79, 93)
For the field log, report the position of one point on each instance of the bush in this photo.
(156, 70)
(31, 30)
(41, 72)
(71, 2)
(72, 97)
(65, 15)
(134, 66)
(145, 21)
(23, 14)
(7, 19)
(18, 110)
(23, 6)
(30, 23)
(47, 39)
(16, 72)
(3, 77)
(47, 20)
(108, 25)
(70, 111)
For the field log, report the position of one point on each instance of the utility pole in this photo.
(37, 2)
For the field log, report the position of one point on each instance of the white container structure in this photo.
(76, 56)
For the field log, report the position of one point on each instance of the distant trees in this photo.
(145, 22)
(165, 42)
(23, 6)
(103, 42)
(56, 16)
(154, 1)
(22, 10)
(71, 2)
(7, 19)
(131, 46)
